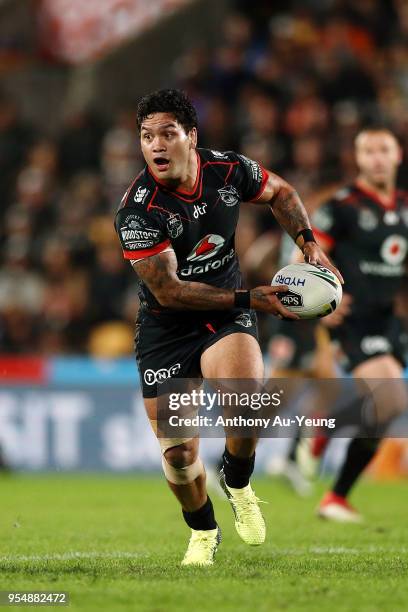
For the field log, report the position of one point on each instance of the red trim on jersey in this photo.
(323, 237)
(265, 176)
(376, 198)
(184, 191)
(142, 253)
(152, 198)
(126, 196)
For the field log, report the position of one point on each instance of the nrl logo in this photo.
(229, 195)
(174, 226)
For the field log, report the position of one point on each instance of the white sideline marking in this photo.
(314, 550)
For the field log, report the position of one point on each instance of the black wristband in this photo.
(307, 235)
(242, 299)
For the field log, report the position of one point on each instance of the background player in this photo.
(365, 228)
(176, 224)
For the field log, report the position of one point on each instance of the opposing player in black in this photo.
(176, 224)
(365, 227)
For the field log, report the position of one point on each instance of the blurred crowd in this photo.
(288, 86)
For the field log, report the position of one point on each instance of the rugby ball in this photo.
(313, 291)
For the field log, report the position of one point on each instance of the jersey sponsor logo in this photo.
(208, 246)
(199, 210)
(140, 195)
(210, 265)
(146, 234)
(290, 280)
(367, 220)
(174, 226)
(152, 377)
(394, 249)
(291, 298)
(381, 269)
(391, 218)
(254, 167)
(219, 155)
(145, 244)
(229, 195)
(244, 319)
(375, 344)
(134, 222)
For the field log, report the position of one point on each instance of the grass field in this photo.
(115, 543)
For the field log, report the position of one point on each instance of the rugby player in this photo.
(176, 224)
(365, 229)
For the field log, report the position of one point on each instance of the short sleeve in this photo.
(250, 178)
(328, 223)
(140, 233)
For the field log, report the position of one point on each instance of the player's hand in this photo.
(336, 318)
(313, 254)
(266, 300)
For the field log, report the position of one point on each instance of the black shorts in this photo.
(363, 337)
(167, 346)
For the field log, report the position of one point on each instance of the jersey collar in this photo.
(180, 191)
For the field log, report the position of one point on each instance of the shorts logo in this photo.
(152, 377)
(208, 246)
(244, 319)
(375, 344)
(174, 226)
(140, 195)
(229, 195)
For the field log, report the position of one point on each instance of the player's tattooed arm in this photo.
(291, 215)
(286, 205)
(159, 274)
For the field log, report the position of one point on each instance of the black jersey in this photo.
(199, 225)
(369, 244)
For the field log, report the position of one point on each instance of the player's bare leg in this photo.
(388, 401)
(185, 475)
(238, 356)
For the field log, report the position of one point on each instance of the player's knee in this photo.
(182, 466)
(181, 455)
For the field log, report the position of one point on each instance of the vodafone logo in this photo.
(394, 249)
(208, 246)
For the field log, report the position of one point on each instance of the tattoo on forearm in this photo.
(159, 274)
(290, 212)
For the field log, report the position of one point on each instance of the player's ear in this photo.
(192, 135)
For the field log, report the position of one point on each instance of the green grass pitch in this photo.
(115, 543)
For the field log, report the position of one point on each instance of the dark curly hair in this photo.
(172, 101)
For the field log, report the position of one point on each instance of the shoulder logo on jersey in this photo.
(174, 226)
(394, 249)
(208, 246)
(367, 219)
(137, 235)
(219, 155)
(229, 195)
(391, 218)
(140, 195)
(254, 166)
(404, 215)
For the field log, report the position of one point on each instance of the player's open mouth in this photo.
(161, 163)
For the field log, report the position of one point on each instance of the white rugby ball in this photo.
(314, 291)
